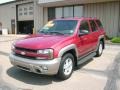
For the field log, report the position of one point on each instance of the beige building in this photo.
(14, 15)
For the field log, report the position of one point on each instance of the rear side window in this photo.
(93, 26)
(99, 24)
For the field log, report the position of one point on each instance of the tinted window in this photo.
(60, 26)
(51, 13)
(99, 23)
(84, 26)
(93, 25)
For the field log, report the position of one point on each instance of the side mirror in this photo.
(83, 32)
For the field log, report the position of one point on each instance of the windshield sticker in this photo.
(49, 24)
(71, 31)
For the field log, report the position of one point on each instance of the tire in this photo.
(100, 49)
(66, 66)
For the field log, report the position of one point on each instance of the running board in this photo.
(85, 58)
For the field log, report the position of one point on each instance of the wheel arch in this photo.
(69, 49)
(102, 38)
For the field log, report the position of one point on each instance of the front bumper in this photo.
(47, 67)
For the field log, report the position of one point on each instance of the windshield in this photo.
(59, 27)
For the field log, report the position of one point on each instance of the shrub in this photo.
(115, 40)
(108, 38)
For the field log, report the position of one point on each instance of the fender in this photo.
(67, 48)
(101, 36)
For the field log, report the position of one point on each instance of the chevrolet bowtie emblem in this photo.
(23, 53)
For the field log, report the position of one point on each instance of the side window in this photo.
(99, 23)
(84, 26)
(51, 13)
(93, 26)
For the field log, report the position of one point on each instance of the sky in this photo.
(3, 1)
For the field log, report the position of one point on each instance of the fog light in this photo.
(44, 68)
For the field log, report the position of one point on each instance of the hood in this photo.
(40, 41)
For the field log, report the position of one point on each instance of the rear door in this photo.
(94, 34)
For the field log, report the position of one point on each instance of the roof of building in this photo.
(11, 2)
(8, 2)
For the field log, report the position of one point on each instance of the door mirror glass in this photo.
(83, 32)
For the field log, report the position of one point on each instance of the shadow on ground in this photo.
(30, 78)
(35, 79)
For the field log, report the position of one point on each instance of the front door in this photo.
(84, 41)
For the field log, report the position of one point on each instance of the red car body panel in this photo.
(58, 45)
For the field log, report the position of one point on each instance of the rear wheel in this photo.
(66, 66)
(100, 49)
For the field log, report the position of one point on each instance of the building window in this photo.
(51, 13)
(30, 8)
(25, 13)
(20, 14)
(65, 12)
(78, 11)
(68, 12)
(25, 9)
(20, 9)
(30, 13)
(58, 12)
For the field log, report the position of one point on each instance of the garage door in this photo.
(25, 12)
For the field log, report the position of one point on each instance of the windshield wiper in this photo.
(43, 32)
(51, 32)
(56, 32)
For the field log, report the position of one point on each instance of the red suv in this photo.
(60, 45)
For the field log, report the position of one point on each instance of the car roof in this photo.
(77, 18)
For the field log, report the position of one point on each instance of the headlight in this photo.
(12, 47)
(45, 54)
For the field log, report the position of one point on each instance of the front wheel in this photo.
(66, 66)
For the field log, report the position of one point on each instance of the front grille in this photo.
(28, 57)
(24, 49)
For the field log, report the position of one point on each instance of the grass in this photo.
(115, 40)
